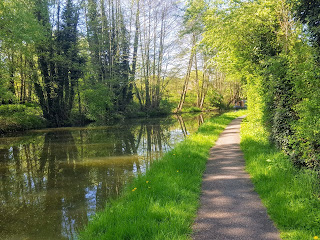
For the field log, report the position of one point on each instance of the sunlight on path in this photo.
(230, 209)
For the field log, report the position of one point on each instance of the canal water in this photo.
(52, 181)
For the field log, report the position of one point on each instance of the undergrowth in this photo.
(18, 117)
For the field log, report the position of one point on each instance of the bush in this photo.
(10, 109)
(78, 119)
(133, 110)
(18, 117)
(97, 102)
(166, 106)
(306, 140)
(194, 109)
(217, 100)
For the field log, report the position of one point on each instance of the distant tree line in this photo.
(89, 55)
(97, 59)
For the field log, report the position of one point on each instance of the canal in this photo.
(52, 181)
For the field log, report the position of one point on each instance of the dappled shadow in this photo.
(280, 184)
(230, 209)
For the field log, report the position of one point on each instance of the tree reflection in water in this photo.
(53, 181)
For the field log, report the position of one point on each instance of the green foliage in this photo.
(19, 31)
(193, 17)
(308, 12)
(59, 62)
(133, 110)
(305, 142)
(15, 117)
(259, 41)
(290, 195)
(194, 109)
(18, 25)
(217, 100)
(7, 110)
(97, 102)
(279, 98)
(5, 94)
(166, 106)
(108, 47)
(162, 203)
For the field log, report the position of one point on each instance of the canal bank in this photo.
(162, 203)
(15, 118)
(52, 181)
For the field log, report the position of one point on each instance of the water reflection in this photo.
(53, 181)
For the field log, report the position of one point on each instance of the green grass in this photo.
(161, 204)
(290, 195)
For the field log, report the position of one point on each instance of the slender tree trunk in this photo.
(12, 71)
(197, 79)
(205, 84)
(187, 78)
(201, 120)
(204, 91)
(135, 53)
(147, 61)
(153, 94)
(185, 85)
(138, 95)
(20, 91)
(160, 59)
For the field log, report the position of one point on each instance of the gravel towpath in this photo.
(230, 208)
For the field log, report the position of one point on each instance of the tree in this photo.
(19, 30)
(187, 77)
(109, 48)
(59, 62)
(308, 11)
(249, 44)
(155, 38)
(200, 58)
(262, 43)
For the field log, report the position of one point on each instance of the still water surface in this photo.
(52, 181)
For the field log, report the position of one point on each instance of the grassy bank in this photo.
(19, 117)
(162, 203)
(290, 195)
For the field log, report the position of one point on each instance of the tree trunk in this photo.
(12, 71)
(187, 78)
(134, 57)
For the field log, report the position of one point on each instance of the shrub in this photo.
(194, 109)
(17, 117)
(97, 102)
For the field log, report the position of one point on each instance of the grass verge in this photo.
(162, 203)
(290, 195)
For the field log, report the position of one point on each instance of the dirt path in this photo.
(230, 209)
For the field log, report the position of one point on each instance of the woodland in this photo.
(92, 60)
(65, 62)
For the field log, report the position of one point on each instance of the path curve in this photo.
(230, 208)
